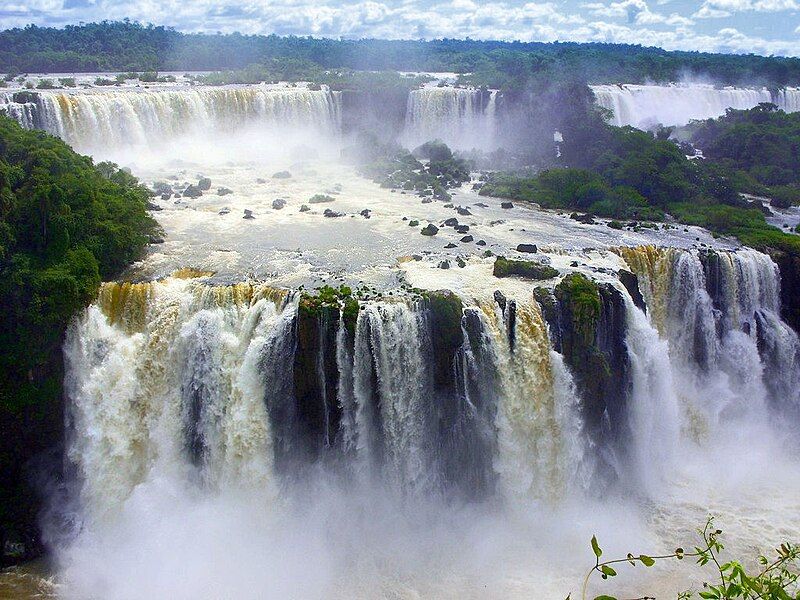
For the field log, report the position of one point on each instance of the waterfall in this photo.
(90, 119)
(463, 118)
(242, 386)
(21, 108)
(645, 106)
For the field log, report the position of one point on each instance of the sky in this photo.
(740, 26)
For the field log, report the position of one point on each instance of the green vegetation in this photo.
(130, 46)
(774, 579)
(65, 223)
(504, 267)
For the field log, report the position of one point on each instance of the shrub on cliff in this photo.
(65, 223)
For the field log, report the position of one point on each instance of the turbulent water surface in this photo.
(227, 441)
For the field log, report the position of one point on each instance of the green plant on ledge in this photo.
(775, 579)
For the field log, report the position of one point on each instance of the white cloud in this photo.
(725, 8)
(636, 11)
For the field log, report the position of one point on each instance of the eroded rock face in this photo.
(587, 326)
(789, 269)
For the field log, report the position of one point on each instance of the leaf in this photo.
(605, 598)
(646, 560)
(608, 570)
(596, 548)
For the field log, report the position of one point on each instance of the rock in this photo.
(504, 267)
(574, 264)
(451, 245)
(451, 222)
(429, 229)
(320, 198)
(477, 186)
(585, 219)
(445, 264)
(204, 184)
(631, 283)
(500, 298)
(527, 248)
(223, 191)
(481, 205)
(463, 211)
(281, 175)
(248, 214)
(466, 239)
(166, 195)
(332, 214)
(480, 243)
(413, 223)
(154, 239)
(427, 201)
(460, 262)
(449, 205)
(366, 213)
(506, 205)
(305, 208)
(260, 180)
(192, 191)
(278, 203)
(151, 206)
(462, 228)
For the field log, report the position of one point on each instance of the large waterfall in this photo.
(645, 106)
(91, 119)
(463, 118)
(242, 384)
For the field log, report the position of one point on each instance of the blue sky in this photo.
(760, 26)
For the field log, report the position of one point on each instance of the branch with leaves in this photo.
(776, 578)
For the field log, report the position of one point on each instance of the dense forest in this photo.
(65, 224)
(130, 46)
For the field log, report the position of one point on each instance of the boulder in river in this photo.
(223, 191)
(204, 184)
(527, 248)
(466, 239)
(281, 175)
(506, 205)
(332, 214)
(248, 214)
(278, 203)
(429, 229)
(192, 191)
(305, 208)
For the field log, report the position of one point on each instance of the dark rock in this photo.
(451, 222)
(631, 283)
(450, 245)
(320, 198)
(466, 239)
(506, 205)
(154, 239)
(281, 175)
(248, 214)
(504, 267)
(278, 203)
(304, 208)
(366, 213)
(574, 263)
(413, 223)
(461, 228)
(223, 191)
(480, 243)
(192, 191)
(527, 248)
(152, 206)
(204, 184)
(166, 195)
(460, 262)
(481, 205)
(500, 298)
(463, 211)
(585, 219)
(224, 211)
(332, 214)
(427, 201)
(445, 264)
(429, 229)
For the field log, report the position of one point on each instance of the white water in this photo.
(645, 106)
(463, 118)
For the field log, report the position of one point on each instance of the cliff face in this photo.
(789, 268)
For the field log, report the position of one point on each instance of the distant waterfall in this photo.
(645, 106)
(237, 386)
(112, 118)
(463, 118)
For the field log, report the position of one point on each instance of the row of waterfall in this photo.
(645, 106)
(463, 118)
(567, 391)
(106, 119)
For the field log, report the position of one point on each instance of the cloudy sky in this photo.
(760, 26)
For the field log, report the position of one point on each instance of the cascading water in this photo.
(107, 119)
(645, 106)
(463, 118)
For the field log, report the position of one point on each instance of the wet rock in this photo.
(450, 245)
(574, 264)
(585, 219)
(445, 264)
(429, 229)
(427, 201)
(281, 175)
(460, 262)
(481, 205)
(166, 195)
(224, 211)
(332, 214)
(527, 248)
(480, 243)
(305, 208)
(154, 239)
(248, 214)
(413, 223)
(320, 198)
(463, 211)
(466, 239)
(204, 184)
(151, 206)
(504, 267)
(278, 203)
(223, 191)
(506, 205)
(451, 222)
(192, 191)
(631, 283)
(500, 298)
(462, 228)
(366, 213)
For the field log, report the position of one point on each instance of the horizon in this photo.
(762, 27)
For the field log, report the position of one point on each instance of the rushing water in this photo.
(645, 106)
